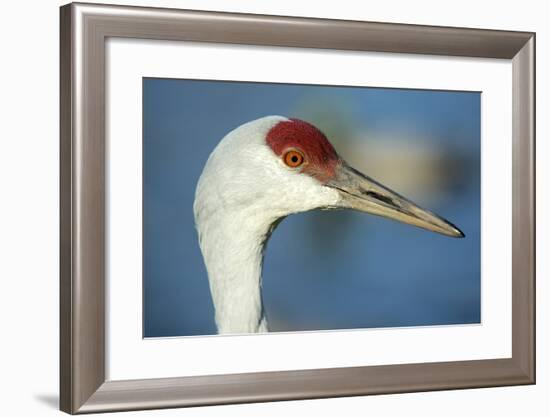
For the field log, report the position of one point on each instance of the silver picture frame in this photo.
(83, 33)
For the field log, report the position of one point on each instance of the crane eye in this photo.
(293, 158)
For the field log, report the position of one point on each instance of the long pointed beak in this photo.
(361, 193)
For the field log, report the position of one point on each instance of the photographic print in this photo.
(283, 207)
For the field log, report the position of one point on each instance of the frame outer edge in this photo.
(523, 209)
(65, 203)
(89, 226)
(82, 199)
(289, 31)
(301, 384)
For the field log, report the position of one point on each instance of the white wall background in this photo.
(29, 207)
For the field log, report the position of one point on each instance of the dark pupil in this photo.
(294, 158)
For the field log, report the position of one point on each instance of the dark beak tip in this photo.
(459, 234)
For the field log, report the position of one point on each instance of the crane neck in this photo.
(233, 246)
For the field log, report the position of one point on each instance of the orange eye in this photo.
(293, 158)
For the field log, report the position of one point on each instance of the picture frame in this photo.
(84, 29)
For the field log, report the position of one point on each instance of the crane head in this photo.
(275, 166)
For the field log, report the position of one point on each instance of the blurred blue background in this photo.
(322, 270)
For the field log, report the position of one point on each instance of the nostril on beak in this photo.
(380, 197)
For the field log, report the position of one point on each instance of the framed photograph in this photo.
(260, 208)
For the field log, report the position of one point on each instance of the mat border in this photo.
(83, 32)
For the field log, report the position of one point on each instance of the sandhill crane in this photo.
(258, 174)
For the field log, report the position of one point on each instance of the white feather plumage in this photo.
(243, 192)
